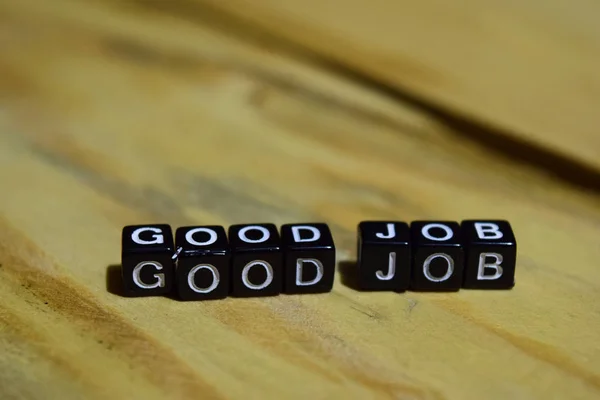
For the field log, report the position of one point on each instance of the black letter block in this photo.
(203, 263)
(309, 258)
(491, 253)
(383, 256)
(438, 260)
(147, 263)
(257, 260)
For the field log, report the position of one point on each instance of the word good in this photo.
(257, 260)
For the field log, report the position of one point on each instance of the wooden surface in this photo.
(114, 113)
(529, 68)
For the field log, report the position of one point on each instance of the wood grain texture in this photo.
(528, 68)
(114, 114)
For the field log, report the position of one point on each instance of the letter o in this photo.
(261, 229)
(189, 236)
(446, 229)
(192, 275)
(432, 257)
(267, 281)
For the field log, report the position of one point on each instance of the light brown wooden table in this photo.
(206, 112)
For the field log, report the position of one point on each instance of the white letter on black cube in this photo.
(491, 253)
(257, 260)
(438, 259)
(147, 260)
(203, 264)
(383, 256)
(309, 258)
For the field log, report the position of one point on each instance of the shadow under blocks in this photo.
(257, 260)
(114, 280)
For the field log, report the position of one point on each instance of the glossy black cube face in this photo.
(257, 260)
(438, 256)
(203, 263)
(491, 254)
(309, 258)
(147, 265)
(384, 261)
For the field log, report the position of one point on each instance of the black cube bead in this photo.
(438, 257)
(491, 254)
(203, 263)
(384, 261)
(309, 258)
(147, 264)
(257, 260)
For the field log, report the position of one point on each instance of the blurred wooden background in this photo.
(232, 111)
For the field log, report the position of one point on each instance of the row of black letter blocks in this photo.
(204, 262)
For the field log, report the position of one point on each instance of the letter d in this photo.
(300, 267)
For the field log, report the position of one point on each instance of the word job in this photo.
(205, 262)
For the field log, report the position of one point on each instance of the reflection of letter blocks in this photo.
(438, 260)
(383, 256)
(256, 260)
(309, 264)
(491, 254)
(203, 263)
(147, 260)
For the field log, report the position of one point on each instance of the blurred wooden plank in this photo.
(111, 116)
(528, 68)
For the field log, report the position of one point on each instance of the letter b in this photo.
(491, 252)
